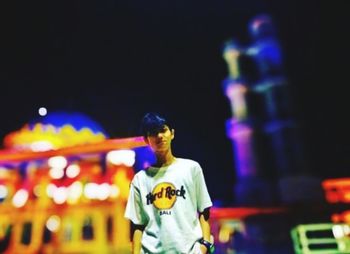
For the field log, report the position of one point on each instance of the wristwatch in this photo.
(210, 247)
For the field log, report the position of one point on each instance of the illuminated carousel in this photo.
(63, 187)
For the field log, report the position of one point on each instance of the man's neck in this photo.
(164, 159)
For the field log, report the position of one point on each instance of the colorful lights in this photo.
(341, 217)
(73, 193)
(231, 54)
(100, 192)
(46, 137)
(241, 135)
(236, 93)
(57, 164)
(65, 170)
(337, 190)
(119, 157)
(321, 238)
(57, 182)
(226, 232)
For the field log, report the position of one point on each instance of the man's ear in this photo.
(172, 133)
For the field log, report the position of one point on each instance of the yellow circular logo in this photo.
(164, 195)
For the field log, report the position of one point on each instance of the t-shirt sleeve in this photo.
(203, 198)
(134, 210)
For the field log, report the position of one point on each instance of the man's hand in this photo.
(137, 231)
(205, 226)
(203, 249)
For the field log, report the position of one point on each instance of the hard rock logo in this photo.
(164, 195)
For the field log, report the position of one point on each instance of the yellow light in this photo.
(75, 191)
(37, 190)
(225, 233)
(50, 189)
(4, 172)
(60, 137)
(123, 182)
(115, 191)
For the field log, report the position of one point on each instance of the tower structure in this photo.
(241, 128)
(265, 136)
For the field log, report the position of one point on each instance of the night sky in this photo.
(115, 60)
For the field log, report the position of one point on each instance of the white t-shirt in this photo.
(166, 201)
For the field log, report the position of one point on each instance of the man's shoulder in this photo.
(139, 175)
(189, 162)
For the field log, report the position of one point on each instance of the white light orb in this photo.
(104, 191)
(119, 157)
(91, 190)
(72, 170)
(60, 195)
(41, 146)
(20, 198)
(56, 173)
(42, 111)
(57, 162)
(53, 223)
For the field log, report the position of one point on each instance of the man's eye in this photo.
(164, 130)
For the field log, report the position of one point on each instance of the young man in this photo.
(168, 202)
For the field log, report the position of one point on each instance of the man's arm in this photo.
(205, 226)
(137, 231)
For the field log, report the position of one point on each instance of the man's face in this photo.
(160, 141)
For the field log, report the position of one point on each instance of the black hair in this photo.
(152, 123)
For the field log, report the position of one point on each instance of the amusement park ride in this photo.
(61, 198)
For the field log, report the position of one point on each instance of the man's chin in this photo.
(160, 149)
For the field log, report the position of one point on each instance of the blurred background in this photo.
(256, 91)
